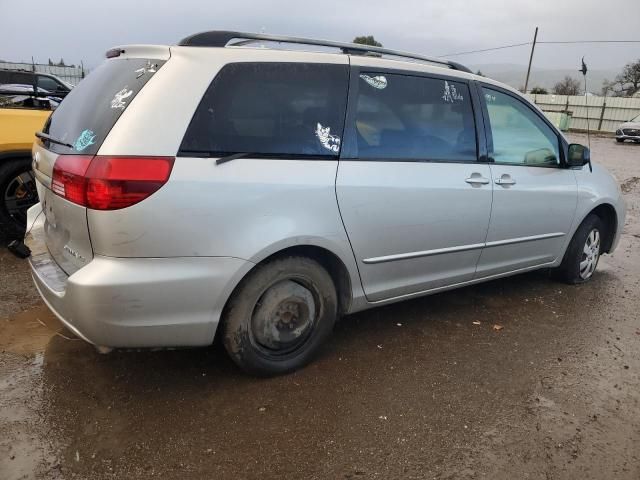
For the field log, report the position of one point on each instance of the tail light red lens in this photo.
(109, 183)
(68, 177)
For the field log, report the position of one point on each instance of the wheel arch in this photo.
(10, 155)
(331, 261)
(607, 213)
(609, 217)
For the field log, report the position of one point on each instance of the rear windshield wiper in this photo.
(233, 156)
(49, 138)
(226, 156)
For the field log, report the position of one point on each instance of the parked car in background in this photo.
(18, 95)
(283, 188)
(629, 130)
(25, 104)
(44, 81)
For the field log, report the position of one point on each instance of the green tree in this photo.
(539, 91)
(367, 40)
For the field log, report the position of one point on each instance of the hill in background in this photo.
(514, 75)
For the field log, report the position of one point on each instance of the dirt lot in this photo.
(413, 390)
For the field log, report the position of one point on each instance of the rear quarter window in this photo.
(271, 110)
(90, 110)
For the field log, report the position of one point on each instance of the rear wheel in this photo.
(279, 316)
(582, 256)
(17, 193)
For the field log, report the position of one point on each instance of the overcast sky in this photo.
(83, 30)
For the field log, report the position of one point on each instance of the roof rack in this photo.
(221, 38)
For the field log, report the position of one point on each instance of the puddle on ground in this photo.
(25, 448)
(28, 332)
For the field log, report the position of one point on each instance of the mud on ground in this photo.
(412, 390)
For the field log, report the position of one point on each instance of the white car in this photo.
(629, 130)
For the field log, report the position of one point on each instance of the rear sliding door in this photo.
(414, 197)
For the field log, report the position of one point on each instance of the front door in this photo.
(414, 199)
(534, 195)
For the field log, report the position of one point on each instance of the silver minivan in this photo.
(228, 184)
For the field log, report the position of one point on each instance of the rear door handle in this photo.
(477, 179)
(505, 180)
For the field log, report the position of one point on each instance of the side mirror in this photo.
(579, 155)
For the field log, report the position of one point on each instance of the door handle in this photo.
(477, 179)
(505, 180)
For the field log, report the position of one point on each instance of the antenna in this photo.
(586, 105)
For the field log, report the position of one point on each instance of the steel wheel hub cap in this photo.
(590, 254)
(284, 316)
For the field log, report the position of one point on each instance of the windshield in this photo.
(91, 109)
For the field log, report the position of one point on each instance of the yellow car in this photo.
(22, 113)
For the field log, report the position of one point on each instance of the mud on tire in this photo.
(279, 316)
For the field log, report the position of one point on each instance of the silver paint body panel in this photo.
(540, 205)
(424, 216)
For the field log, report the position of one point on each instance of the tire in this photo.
(15, 197)
(619, 140)
(572, 269)
(279, 316)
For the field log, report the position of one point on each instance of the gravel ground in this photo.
(412, 390)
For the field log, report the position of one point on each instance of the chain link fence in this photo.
(70, 74)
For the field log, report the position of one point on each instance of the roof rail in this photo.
(221, 38)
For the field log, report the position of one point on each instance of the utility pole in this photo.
(533, 47)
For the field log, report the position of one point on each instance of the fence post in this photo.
(604, 106)
(566, 108)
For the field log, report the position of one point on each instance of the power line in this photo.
(484, 50)
(593, 41)
(559, 42)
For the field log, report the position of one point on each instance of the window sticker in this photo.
(489, 98)
(119, 97)
(451, 95)
(328, 141)
(86, 139)
(379, 81)
(148, 68)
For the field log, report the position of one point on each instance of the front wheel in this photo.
(17, 193)
(280, 315)
(582, 255)
(619, 140)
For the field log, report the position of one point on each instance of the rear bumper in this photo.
(136, 302)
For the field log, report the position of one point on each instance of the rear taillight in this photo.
(68, 177)
(109, 183)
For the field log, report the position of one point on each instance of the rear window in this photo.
(271, 110)
(90, 110)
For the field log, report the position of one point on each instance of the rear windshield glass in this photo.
(88, 113)
(271, 110)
